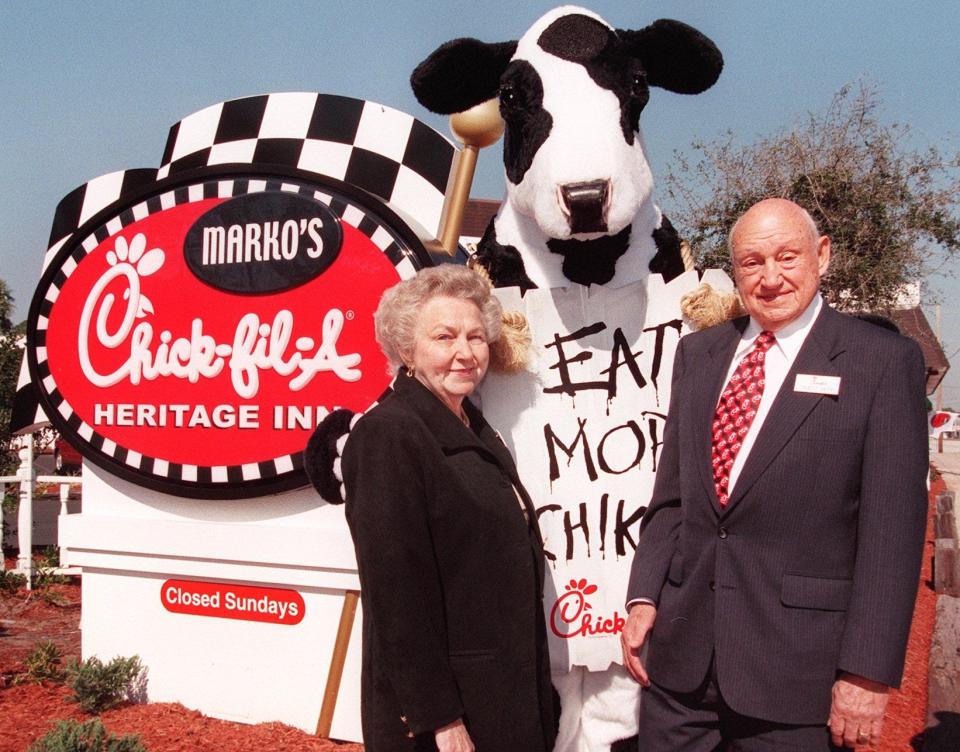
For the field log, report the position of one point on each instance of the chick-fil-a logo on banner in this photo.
(572, 614)
(198, 344)
(254, 347)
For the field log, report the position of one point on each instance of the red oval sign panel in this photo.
(164, 375)
(246, 602)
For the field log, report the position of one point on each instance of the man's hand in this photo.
(856, 714)
(453, 738)
(634, 635)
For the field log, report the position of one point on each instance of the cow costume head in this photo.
(579, 204)
(571, 91)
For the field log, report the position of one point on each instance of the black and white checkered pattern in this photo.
(85, 202)
(384, 151)
(26, 413)
(169, 476)
(74, 210)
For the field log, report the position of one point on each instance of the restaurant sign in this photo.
(191, 340)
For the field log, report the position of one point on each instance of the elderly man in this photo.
(778, 561)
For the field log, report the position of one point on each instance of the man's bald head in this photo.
(775, 205)
(778, 258)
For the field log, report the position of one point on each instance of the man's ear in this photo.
(676, 57)
(823, 254)
(460, 74)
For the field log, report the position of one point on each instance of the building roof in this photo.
(914, 324)
(477, 216)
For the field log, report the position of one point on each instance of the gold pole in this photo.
(456, 203)
(475, 128)
(337, 660)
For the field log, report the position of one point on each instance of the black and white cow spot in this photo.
(606, 57)
(579, 186)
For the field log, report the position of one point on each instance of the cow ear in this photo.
(676, 57)
(460, 74)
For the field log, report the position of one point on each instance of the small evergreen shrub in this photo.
(71, 736)
(48, 558)
(10, 581)
(45, 566)
(45, 663)
(98, 686)
(53, 598)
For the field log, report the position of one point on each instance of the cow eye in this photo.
(509, 99)
(639, 84)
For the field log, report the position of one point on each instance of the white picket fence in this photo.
(27, 480)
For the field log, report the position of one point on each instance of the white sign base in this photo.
(130, 540)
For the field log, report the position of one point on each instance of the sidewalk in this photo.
(948, 462)
(943, 704)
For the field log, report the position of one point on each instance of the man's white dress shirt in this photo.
(777, 364)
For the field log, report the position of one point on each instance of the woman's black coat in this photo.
(451, 580)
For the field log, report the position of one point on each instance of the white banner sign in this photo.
(585, 423)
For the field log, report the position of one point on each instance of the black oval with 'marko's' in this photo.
(263, 242)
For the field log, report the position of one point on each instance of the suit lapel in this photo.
(790, 407)
(706, 385)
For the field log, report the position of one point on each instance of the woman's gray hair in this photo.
(395, 319)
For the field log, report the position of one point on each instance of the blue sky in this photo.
(89, 88)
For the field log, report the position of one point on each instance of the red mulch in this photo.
(907, 711)
(27, 711)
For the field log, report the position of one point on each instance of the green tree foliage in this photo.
(6, 307)
(891, 212)
(10, 357)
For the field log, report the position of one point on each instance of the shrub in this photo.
(45, 564)
(54, 598)
(10, 581)
(44, 663)
(48, 558)
(71, 736)
(98, 686)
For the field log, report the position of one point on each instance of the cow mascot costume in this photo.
(581, 249)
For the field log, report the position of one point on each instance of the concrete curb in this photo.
(942, 732)
(943, 704)
(946, 557)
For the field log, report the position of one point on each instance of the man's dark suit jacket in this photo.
(451, 578)
(812, 568)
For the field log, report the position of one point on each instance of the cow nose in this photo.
(585, 205)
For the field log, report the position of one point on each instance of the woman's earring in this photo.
(411, 372)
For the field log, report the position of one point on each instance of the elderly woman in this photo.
(448, 549)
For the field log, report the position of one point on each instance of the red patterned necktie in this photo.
(735, 412)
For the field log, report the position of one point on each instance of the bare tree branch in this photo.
(891, 212)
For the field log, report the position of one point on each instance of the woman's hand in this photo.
(453, 738)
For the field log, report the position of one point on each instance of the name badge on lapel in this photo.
(813, 383)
